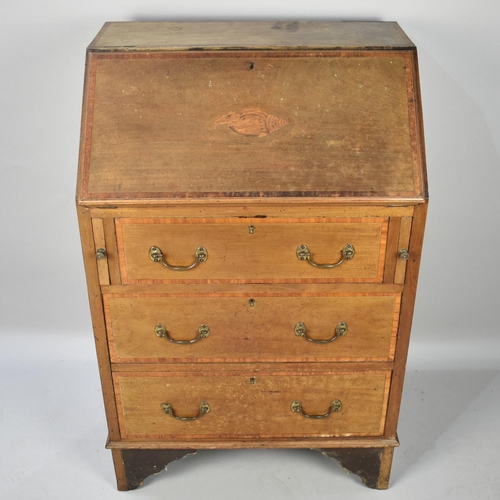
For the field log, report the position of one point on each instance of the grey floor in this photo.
(52, 434)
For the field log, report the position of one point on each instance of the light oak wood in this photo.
(236, 255)
(254, 210)
(251, 407)
(121, 476)
(406, 318)
(257, 331)
(391, 253)
(215, 139)
(263, 368)
(194, 139)
(286, 443)
(312, 133)
(404, 239)
(98, 321)
(100, 243)
(112, 251)
(256, 289)
(385, 468)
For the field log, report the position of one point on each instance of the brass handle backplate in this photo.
(162, 333)
(200, 255)
(169, 410)
(340, 330)
(296, 407)
(303, 253)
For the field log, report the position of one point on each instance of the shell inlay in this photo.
(252, 122)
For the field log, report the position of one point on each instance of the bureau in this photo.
(252, 200)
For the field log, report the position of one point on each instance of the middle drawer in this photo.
(248, 328)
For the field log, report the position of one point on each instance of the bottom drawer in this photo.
(249, 405)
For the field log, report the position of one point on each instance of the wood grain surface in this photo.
(251, 407)
(235, 254)
(244, 331)
(155, 127)
(250, 139)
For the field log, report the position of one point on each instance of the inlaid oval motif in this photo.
(253, 122)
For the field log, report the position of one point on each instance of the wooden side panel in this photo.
(266, 253)
(97, 313)
(244, 329)
(256, 407)
(407, 307)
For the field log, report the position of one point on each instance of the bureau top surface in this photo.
(260, 111)
(140, 36)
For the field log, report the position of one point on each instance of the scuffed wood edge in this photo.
(231, 444)
(372, 465)
(140, 464)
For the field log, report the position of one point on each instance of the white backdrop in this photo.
(43, 298)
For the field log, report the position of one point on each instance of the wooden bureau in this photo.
(252, 200)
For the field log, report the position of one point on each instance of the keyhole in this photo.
(252, 65)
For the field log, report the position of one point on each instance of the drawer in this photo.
(250, 328)
(251, 405)
(252, 250)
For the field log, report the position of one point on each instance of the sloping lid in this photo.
(195, 125)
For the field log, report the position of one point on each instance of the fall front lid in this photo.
(243, 123)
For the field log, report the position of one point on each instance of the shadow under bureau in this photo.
(252, 200)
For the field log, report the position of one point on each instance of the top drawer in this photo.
(257, 250)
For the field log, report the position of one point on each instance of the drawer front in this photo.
(251, 250)
(251, 405)
(252, 328)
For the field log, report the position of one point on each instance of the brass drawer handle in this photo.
(303, 253)
(340, 330)
(169, 410)
(100, 254)
(335, 406)
(156, 255)
(404, 254)
(162, 333)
